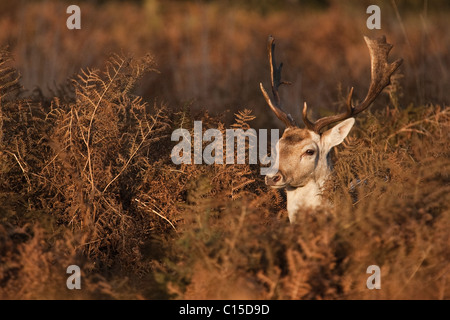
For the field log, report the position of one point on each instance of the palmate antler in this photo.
(381, 72)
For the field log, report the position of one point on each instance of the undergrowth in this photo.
(86, 178)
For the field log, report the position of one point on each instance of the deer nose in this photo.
(274, 179)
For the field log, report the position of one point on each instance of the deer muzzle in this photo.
(275, 180)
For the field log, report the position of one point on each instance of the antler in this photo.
(381, 72)
(275, 75)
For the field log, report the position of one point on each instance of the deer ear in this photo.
(337, 134)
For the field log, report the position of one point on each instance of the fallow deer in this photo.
(303, 154)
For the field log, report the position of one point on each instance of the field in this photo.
(86, 176)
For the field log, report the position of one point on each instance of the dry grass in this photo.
(86, 176)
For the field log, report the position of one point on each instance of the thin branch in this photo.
(157, 213)
(91, 171)
(24, 170)
(131, 157)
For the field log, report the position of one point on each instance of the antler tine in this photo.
(275, 76)
(323, 122)
(381, 72)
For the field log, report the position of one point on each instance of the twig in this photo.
(157, 213)
(131, 157)
(91, 172)
(24, 170)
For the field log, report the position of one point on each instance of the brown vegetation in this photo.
(86, 176)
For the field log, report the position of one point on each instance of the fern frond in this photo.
(9, 77)
(243, 118)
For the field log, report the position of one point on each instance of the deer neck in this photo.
(309, 196)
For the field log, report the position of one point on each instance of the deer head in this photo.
(303, 153)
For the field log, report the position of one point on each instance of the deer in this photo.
(303, 163)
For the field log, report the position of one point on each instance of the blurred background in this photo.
(211, 55)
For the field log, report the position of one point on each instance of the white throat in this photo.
(308, 196)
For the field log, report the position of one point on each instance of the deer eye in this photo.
(309, 152)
